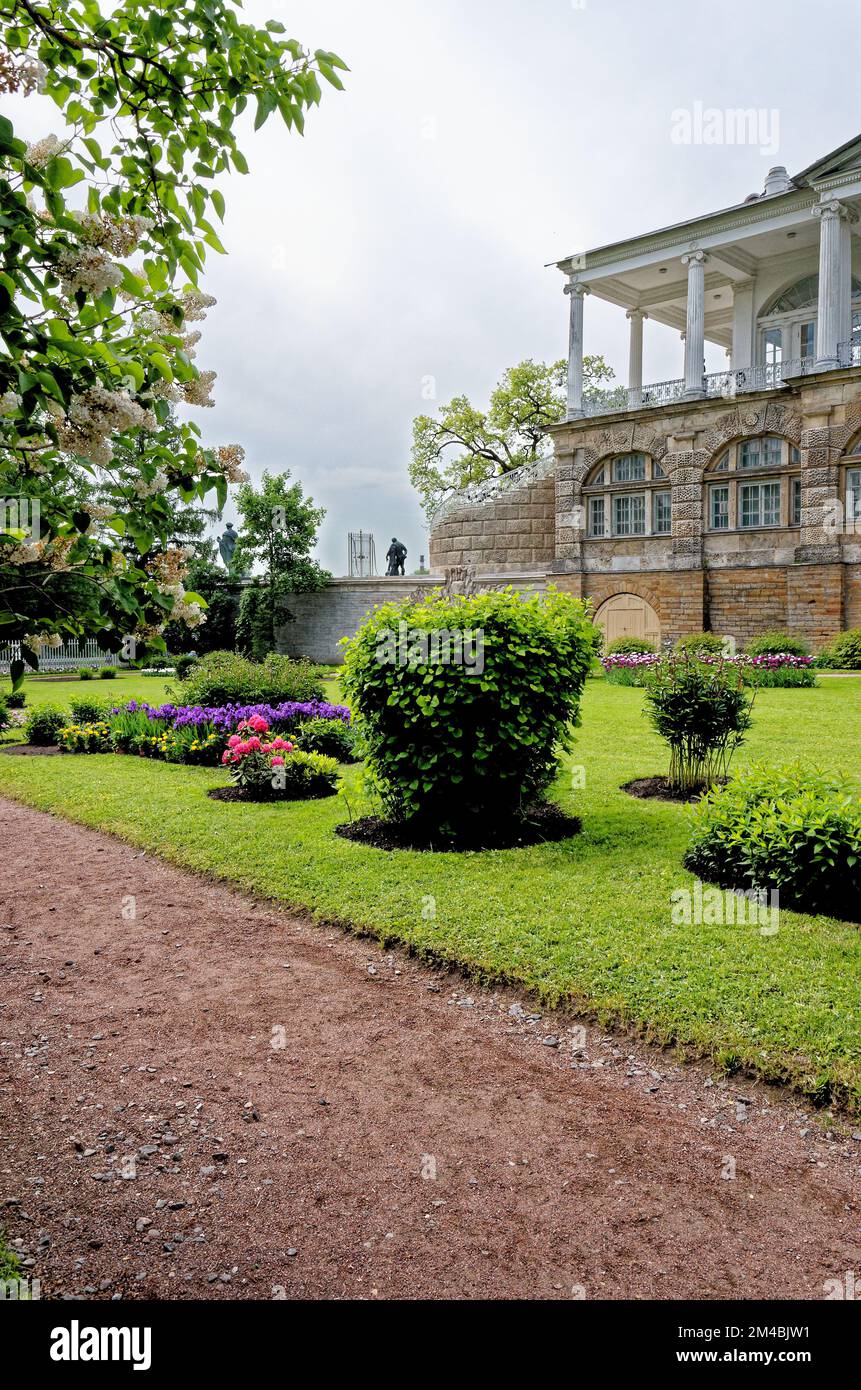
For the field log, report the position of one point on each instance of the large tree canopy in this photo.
(96, 346)
(463, 445)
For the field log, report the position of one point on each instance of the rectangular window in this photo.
(629, 514)
(629, 468)
(759, 504)
(761, 453)
(720, 508)
(748, 454)
(661, 512)
(596, 516)
(796, 502)
(808, 339)
(853, 495)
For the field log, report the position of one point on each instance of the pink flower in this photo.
(258, 724)
(255, 744)
(225, 757)
(277, 762)
(233, 740)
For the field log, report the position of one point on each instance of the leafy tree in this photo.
(93, 351)
(278, 531)
(466, 445)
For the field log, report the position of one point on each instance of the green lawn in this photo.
(45, 691)
(587, 921)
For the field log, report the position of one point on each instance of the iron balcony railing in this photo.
(767, 376)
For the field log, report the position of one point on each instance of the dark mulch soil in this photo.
(656, 787)
(246, 794)
(31, 750)
(538, 825)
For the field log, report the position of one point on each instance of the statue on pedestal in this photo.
(396, 555)
(227, 545)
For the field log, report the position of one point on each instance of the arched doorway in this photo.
(628, 615)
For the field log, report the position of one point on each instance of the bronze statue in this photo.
(227, 545)
(396, 555)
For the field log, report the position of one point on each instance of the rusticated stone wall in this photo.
(513, 532)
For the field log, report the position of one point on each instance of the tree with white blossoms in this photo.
(103, 237)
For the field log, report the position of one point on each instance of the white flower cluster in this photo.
(158, 483)
(9, 402)
(230, 458)
(43, 639)
(53, 553)
(87, 268)
(197, 391)
(195, 304)
(118, 235)
(43, 151)
(94, 416)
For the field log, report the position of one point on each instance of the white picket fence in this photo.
(67, 656)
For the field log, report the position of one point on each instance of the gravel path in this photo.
(202, 1096)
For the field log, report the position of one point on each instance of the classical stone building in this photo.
(729, 501)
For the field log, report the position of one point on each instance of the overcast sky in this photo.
(399, 249)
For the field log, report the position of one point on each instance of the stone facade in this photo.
(805, 577)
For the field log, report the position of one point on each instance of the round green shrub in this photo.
(87, 710)
(777, 644)
(306, 776)
(463, 702)
(331, 737)
(225, 678)
(844, 652)
(183, 665)
(85, 673)
(630, 646)
(16, 699)
(710, 642)
(43, 724)
(107, 673)
(792, 830)
(4, 712)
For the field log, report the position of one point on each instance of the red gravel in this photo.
(297, 1170)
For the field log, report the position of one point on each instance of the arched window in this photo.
(759, 486)
(627, 495)
(787, 324)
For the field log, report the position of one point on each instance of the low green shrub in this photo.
(702, 710)
(792, 830)
(85, 737)
(4, 711)
(87, 709)
(843, 653)
(16, 699)
(328, 736)
(223, 678)
(183, 665)
(710, 642)
(306, 776)
(43, 724)
(107, 673)
(630, 646)
(462, 703)
(85, 673)
(777, 644)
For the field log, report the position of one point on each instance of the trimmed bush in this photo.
(107, 673)
(223, 678)
(777, 644)
(331, 737)
(629, 646)
(710, 642)
(87, 710)
(844, 652)
(43, 724)
(463, 703)
(16, 699)
(183, 665)
(703, 712)
(4, 712)
(791, 829)
(85, 673)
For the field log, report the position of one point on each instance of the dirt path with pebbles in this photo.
(219, 1100)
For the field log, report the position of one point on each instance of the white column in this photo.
(833, 283)
(695, 323)
(635, 358)
(743, 325)
(576, 292)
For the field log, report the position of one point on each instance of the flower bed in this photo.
(264, 768)
(776, 669)
(200, 733)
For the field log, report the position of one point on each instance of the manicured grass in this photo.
(133, 686)
(587, 921)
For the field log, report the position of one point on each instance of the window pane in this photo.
(853, 494)
(596, 516)
(723, 463)
(770, 504)
(771, 452)
(661, 512)
(638, 514)
(629, 468)
(748, 454)
(629, 514)
(773, 341)
(808, 346)
(796, 501)
(657, 470)
(748, 509)
(720, 508)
